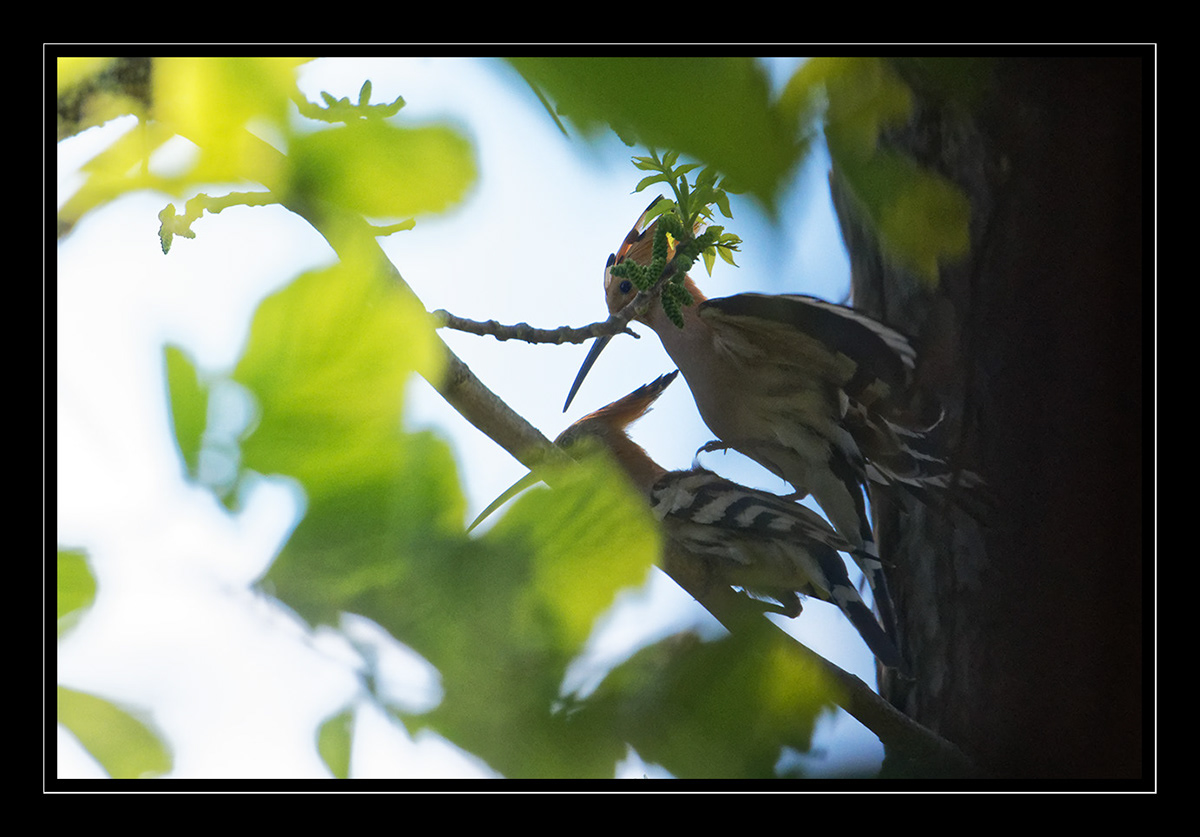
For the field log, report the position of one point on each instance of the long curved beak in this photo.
(588, 362)
(513, 490)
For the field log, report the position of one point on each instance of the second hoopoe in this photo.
(744, 537)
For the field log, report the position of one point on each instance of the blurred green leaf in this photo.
(188, 403)
(364, 544)
(76, 588)
(382, 170)
(717, 110)
(926, 222)
(125, 746)
(210, 101)
(922, 219)
(804, 97)
(120, 168)
(590, 537)
(327, 361)
(865, 97)
(333, 743)
(722, 709)
(525, 601)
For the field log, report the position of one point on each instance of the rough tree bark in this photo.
(1026, 633)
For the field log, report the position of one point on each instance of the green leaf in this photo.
(120, 168)
(654, 178)
(865, 96)
(333, 743)
(721, 199)
(590, 537)
(922, 219)
(502, 618)
(188, 404)
(927, 224)
(717, 110)
(381, 170)
(210, 101)
(370, 543)
(327, 361)
(124, 745)
(76, 588)
(722, 709)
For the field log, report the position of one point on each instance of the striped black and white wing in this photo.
(764, 544)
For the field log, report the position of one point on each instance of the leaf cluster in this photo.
(676, 246)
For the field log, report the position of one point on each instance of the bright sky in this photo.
(236, 684)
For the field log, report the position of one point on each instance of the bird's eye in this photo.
(626, 286)
(612, 257)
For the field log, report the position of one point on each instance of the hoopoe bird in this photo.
(806, 388)
(746, 538)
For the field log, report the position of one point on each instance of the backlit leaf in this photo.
(382, 170)
(124, 745)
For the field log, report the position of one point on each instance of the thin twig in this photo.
(618, 323)
(529, 334)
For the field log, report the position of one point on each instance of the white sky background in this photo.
(235, 683)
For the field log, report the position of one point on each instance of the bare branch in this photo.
(618, 323)
(529, 334)
(492, 416)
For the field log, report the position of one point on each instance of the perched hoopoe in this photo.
(806, 388)
(746, 538)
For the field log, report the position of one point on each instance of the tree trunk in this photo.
(1025, 632)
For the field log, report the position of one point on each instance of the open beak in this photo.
(527, 481)
(597, 348)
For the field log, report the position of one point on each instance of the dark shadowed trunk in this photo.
(1026, 634)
